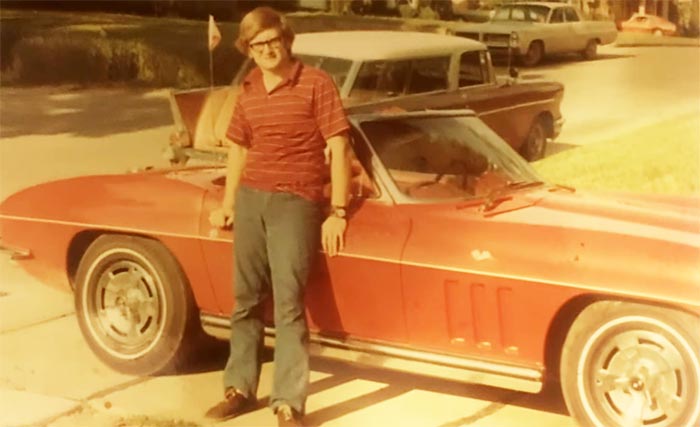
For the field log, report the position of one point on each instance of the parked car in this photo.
(531, 30)
(650, 24)
(408, 70)
(460, 263)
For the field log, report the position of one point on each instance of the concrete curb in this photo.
(639, 40)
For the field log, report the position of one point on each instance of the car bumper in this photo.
(556, 127)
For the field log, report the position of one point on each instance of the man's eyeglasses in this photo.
(259, 47)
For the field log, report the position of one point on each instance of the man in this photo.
(286, 115)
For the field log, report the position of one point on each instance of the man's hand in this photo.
(221, 217)
(333, 235)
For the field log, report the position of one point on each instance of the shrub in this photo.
(53, 59)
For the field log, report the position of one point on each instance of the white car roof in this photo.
(550, 5)
(378, 45)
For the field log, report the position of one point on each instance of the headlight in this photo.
(514, 39)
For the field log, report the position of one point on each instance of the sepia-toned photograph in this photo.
(343, 213)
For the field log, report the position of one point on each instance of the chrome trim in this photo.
(514, 107)
(16, 254)
(385, 356)
(557, 126)
(580, 285)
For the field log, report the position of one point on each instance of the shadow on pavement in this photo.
(81, 112)
(398, 383)
(558, 147)
(212, 355)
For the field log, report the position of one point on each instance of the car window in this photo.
(530, 13)
(337, 68)
(380, 79)
(571, 15)
(471, 69)
(557, 16)
(428, 75)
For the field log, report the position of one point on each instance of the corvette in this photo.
(460, 263)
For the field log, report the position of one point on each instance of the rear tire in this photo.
(134, 305)
(627, 364)
(591, 50)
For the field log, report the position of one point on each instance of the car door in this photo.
(356, 293)
(558, 32)
(580, 31)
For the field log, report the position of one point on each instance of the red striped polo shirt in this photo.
(286, 130)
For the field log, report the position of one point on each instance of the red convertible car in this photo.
(460, 263)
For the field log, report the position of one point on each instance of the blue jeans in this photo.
(276, 239)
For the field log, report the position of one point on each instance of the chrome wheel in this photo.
(632, 366)
(638, 378)
(127, 310)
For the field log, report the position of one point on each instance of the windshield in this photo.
(445, 157)
(337, 68)
(522, 12)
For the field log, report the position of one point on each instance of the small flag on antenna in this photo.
(214, 34)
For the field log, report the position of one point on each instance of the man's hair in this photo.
(258, 20)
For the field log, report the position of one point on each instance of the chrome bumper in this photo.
(556, 127)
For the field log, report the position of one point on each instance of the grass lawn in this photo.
(98, 48)
(660, 158)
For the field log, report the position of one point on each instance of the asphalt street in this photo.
(49, 377)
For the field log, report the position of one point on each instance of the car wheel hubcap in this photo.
(641, 378)
(125, 312)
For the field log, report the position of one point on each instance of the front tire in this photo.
(535, 143)
(134, 305)
(628, 364)
(534, 55)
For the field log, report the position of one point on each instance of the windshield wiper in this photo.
(500, 195)
(519, 185)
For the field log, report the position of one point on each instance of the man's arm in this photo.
(340, 169)
(223, 217)
(333, 229)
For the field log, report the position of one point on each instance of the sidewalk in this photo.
(637, 39)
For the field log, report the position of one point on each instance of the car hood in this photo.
(624, 212)
(635, 246)
(141, 200)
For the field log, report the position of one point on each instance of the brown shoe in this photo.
(288, 417)
(233, 405)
